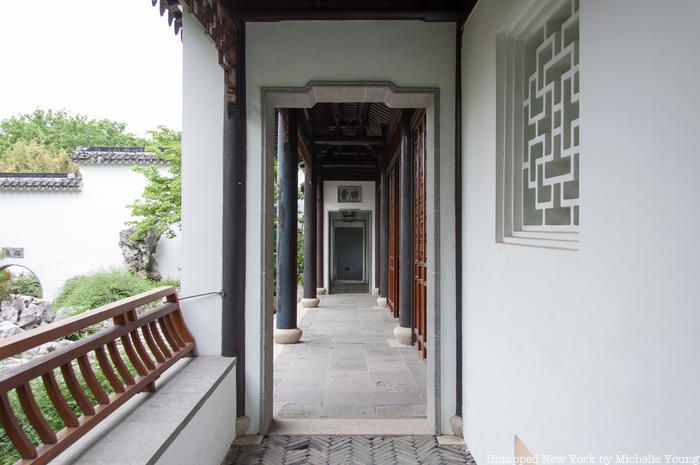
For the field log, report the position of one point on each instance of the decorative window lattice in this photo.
(538, 154)
(551, 125)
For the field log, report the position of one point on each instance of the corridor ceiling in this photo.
(280, 10)
(348, 138)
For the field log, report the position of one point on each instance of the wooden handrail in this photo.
(151, 342)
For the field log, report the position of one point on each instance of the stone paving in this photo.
(345, 450)
(348, 365)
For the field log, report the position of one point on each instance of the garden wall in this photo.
(68, 232)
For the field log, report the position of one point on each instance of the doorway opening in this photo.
(351, 250)
(348, 364)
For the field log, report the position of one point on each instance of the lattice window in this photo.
(538, 126)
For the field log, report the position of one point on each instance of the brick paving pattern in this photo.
(348, 450)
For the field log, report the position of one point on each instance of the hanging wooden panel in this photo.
(393, 252)
(420, 268)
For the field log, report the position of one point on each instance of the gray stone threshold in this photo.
(350, 426)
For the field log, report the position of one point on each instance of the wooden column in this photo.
(310, 200)
(377, 234)
(234, 227)
(320, 289)
(287, 166)
(404, 332)
(383, 239)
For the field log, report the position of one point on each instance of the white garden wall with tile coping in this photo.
(66, 233)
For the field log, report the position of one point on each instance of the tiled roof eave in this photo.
(116, 156)
(40, 184)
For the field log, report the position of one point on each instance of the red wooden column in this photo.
(404, 333)
(420, 269)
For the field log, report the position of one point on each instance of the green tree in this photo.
(5, 281)
(159, 208)
(60, 130)
(32, 157)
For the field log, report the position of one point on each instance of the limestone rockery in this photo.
(22, 312)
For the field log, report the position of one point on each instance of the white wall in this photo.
(407, 53)
(202, 188)
(591, 351)
(330, 204)
(206, 437)
(65, 234)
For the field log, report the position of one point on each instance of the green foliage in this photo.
(32, 157)
(100, 288)
(8, 454)
(60, 130)
(25, 284)
(300, 239)
(159, 208)
(5, 280)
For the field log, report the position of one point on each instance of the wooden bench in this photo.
(130, 355)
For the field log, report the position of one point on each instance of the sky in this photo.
(102, 58)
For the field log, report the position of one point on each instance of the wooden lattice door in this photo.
(393, 252)
(420, 269)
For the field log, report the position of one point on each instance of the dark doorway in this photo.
(349, 252)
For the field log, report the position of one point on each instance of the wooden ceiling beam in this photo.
(346, 14)
(351, 141)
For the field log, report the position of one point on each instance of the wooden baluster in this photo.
(119, 363)
(131, 353)
(34, 414)
(14, 431)
(178, 321)
(146, 331)
(167, 331)
(141, 350)
(76, 390)
(108, 370)
(91, 380)
(159, 340)
(58, 401)
(173, 331)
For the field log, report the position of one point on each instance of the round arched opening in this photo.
(19, 280)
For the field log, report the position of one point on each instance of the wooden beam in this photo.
(273, 15)
(351, 141)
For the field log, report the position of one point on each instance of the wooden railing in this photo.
(128, 357)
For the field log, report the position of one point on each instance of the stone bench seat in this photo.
(189, 419)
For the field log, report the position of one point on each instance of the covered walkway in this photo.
(348, 365)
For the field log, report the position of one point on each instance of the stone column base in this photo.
(242, 424)
(287, 336)
(309, 303)
(403, 335)
(321, 291)
(382, 303)
(375, 291)
(457, 425)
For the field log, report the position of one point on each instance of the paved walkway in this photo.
(348, 365)
(344, 450)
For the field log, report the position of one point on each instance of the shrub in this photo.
(32, 157)
(5, 279)
(25, 284)
(100, 288)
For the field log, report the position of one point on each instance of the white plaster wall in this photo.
(593, 351)
(330, 204)
(407, 53)
(207, 436)
(65, 234)
(202, 184)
